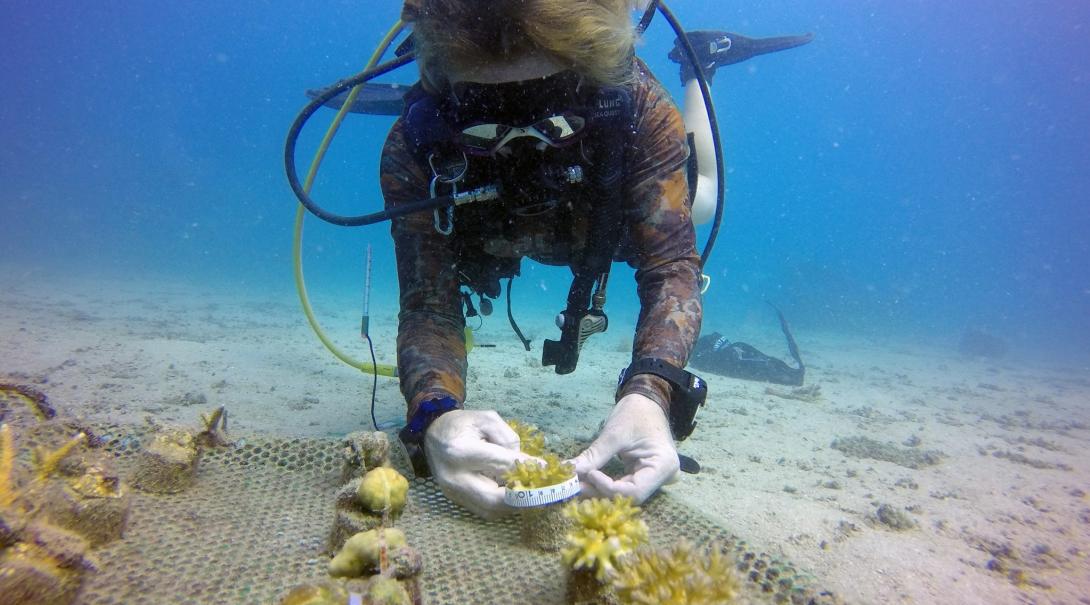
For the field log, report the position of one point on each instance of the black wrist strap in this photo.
(688, 392)
(412, 435)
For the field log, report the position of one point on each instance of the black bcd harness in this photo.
(596, 174)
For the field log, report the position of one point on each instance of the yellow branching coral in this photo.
(531, 440)
(680, 575)
(532, 475)
(605, 530)
(45, 461)
(7, 466)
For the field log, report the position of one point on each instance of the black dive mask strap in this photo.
(518, 103)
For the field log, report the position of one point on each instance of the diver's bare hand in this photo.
(638, 433)
(468, 452)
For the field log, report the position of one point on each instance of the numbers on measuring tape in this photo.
(528, 498)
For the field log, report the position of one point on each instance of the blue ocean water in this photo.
(921, 168)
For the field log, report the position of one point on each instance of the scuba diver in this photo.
(717, 354)
(547, 99)
(534, 131)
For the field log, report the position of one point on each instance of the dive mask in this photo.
(486, 117)
(487, 138)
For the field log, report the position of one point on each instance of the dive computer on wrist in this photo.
(687, 392)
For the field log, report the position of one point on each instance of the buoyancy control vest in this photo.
(559, 185)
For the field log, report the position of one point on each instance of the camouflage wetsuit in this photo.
(659, 245)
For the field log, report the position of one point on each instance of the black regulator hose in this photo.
(648, 14)
(705, 93)
(297, 127)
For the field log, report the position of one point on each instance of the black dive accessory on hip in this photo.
(610, 122)
(688, 392)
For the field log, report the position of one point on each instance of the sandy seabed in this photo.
(980, 495)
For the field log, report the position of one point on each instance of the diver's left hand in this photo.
(638, 433)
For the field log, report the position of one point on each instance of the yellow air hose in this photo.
(297, 244)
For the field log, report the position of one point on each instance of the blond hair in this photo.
(592, 37)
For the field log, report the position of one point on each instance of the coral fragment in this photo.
(679, 575)
(532, 474)
(531, 440)
(605, 530)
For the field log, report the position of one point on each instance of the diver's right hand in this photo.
(468, 452)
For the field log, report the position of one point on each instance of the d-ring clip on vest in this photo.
(448, 173)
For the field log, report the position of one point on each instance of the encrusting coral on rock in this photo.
(384, 555)
(383, 491)
(374, 500)
(87, 496)
(325, 593)
(378, 590)
(47, 517)
(44, 567)
(373, 560)
(364, 552)
(168, 464)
